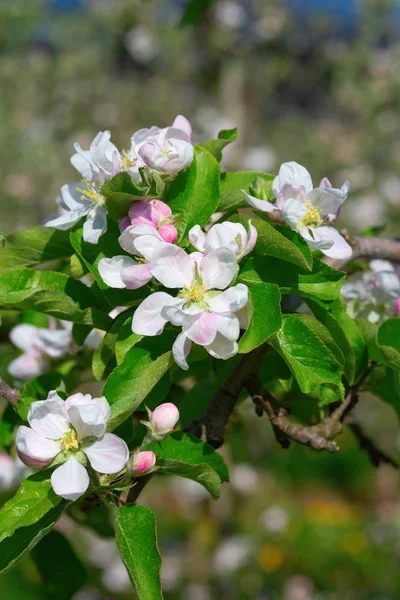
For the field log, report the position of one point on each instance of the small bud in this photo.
(397, 307)
(164, 418)
(124, 223)
(168, 233)
(142, 462)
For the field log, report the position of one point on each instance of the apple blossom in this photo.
(39, 345)
(75, 429)
(205, 312)
(101, 162)
(163, 419)
(228, 235)
(168, 150)
(142, 462)
(308, 210)
(155, 213)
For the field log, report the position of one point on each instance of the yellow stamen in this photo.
(126, 161)
(194, 293)
(313, 216)
(91, 193)
(70, 440)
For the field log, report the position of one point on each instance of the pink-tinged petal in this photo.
(33, 449)
(107, 455)
(232, 300)
(218, 268)
(88, 415)
(168, 233)
(71, 480)
(196, 258)
(164, 418)
(228, 326)
(222, 348)
(146, 244)
(203, 329)
(132, 240)
(49, 418)
(144, 213)
(325, 183)
(124, 223)
(397, 307)
(262, 205)
(24, 336)
(172, 266)
(181, 122)
(329, 241)
(175, 315)
(28, 365)
(136, 276)
(164, 211)
(251, 239)
(293, 211)
(291, 173)
(147, 319)
(146, 153)
(111, 270)
(181, 350)
(142, 462)
(54, 343)
(197, 237)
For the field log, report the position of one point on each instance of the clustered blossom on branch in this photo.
(168, 150)
(374, 294)
(308, 210)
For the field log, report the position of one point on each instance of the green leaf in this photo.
(346, 334)
(383, 343)
(266, 318)
(232, 184)
(107, 247)
(194, 11)
(322, 282)
(120, 193)
(51, 293)
(280, 242)
(126, 339)
(306, 352)
(140, 370)
(194, 194)
(104, 354)
(184, 455)
(215, 147)
(385, 383)
(61, 571)
(27, 517)
(36, 389)
(136, 539)
(34, 246)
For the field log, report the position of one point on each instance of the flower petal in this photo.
(293, 211)
(147, 319)
(95, 225)
(228, 326)
(88, 415)
(181, 350)
(54, 343)
(136, 276)
(329, 241)
(293, 174)
(263, 205)
(222, 348)
(71, 480)
(27, 366)
(147, 237)
(33, 449)
(181, 122)
(108, 455)
(24, 336)
(197, 237)
(218, 268)
(202, 329)
(49, 417)
(111, 269)
(231, 300)
(172, 266)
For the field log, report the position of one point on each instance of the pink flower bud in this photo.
(124, 223)
(163, 209)
(397, 307)
(143, 213)
(143, 462)
(35, 463)
(168, 233)
(164, 418)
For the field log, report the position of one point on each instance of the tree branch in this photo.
(369, 247)
(9, 393)
(376, 455)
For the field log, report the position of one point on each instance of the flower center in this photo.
(70, 440)
(91, 193)
(313, 216)
(194, 293)
(126, 161)
(140, 260)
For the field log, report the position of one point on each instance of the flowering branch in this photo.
(9, 393)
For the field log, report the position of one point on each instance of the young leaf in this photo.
(52, 293)
(34, 246)
(194, 194)
(232, 184)
(61, 570)
(225, 137)
(136, 539)
(382, 343)
(306, 353)
(282, 243)
(266, 318)
(322, 282)
(184, 455)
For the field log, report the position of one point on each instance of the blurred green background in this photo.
(313, 81)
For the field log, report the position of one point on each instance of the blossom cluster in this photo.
(167, 151)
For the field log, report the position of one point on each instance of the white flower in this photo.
(225, 235)
(308, 210)
(78, 200)
(168, 150)
(77, 428)
(39, 346)
(101, 162)
(205, 312)
(12, 472)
